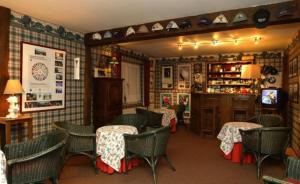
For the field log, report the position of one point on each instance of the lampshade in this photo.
(13, 87)
(251, 71)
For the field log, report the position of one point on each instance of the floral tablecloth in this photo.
(2, 168)
(230, 134)
(168, 115)
(110, 143)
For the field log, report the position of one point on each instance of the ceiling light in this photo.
(215, 42)
(179, 46)
(196, 45)
(236, 42)
(256, 40)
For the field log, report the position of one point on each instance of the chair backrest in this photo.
(136, 120)
(270, 120)
(274, 140)
(154, 118)
(293, 168)
(161, 140)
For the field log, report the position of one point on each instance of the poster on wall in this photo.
(166, 100)
(43, 78)
(185, 98)
(167, 77)
(184, 76)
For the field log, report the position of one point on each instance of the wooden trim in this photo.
(273, 8)
(87, 105)
(4, 56)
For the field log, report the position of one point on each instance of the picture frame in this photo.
(295, 93)
(43, 76)
(184, 76)
(166, 100)
(291, 71)
(198, 68)
(167, 77)
(185, 98)
(295, 66)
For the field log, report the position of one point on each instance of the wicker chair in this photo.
(148, 145)
(82, 140)
(264, 143)
(136, 120)
(154, 119)
(267, 120)
(292, 172)
(36, 160)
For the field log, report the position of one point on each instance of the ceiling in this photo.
(272, 38)
(94, 15)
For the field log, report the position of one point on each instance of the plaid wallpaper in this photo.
(74, 88)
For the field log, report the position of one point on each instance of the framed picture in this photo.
(43, 72)
(291, 92)
(291, 68)
(185, 98)
(295, 66)
(295, 92)
(167, 77)
(166, 100)
(198, 68)
(184, 76)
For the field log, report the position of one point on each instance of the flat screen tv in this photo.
(270, 97)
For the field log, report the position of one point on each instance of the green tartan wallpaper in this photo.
(74, 88)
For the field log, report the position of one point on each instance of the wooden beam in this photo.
(196, 29)
(4, 56)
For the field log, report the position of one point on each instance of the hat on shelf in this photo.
(117, 34)
(185, 24)
(96, 36)
(130, 31)
(172, 26)
(143, 29)
(220, 19)
(157, 27)
(204, 21)
(261, 18)
(285, 11)
(240, 17)
(107, 34)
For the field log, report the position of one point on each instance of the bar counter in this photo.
(210, 111)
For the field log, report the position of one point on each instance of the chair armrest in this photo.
(82, 134)
(271, 180)
(36, 155)
(252, 119)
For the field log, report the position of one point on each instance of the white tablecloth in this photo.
(2, 168)
(230, 134)
(110, 143)
(168, 115)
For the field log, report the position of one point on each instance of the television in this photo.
(270, 97)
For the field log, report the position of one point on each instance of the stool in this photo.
(208, 120)
(240, 108)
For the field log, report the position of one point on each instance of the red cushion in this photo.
(292, 181)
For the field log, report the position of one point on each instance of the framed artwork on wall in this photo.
(184, 76)
(166, 100)
(167, 77)
(295, 66)
(43, 72)
(295, 93)
(185, 98)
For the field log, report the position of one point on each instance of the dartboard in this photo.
(39, 71)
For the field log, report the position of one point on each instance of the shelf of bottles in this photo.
(225, 77)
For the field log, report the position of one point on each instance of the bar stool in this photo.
(208, 114)
(240, 108)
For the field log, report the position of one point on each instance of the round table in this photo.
(110, 146)
(231, 139)
(2, 168)
(169, 117)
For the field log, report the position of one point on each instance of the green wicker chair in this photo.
(149, 146)
(267, 120)
(264, 143)
(82, 140)
(135, 120)
(153, 119)
(292, 172)
(36, 160)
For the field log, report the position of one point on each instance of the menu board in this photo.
(43, 78)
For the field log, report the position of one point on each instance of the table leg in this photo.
(29, 129)
(7, 133)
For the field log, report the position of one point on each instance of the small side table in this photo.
(7, 122)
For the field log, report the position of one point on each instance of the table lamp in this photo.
(12, 88)
(251, 71)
